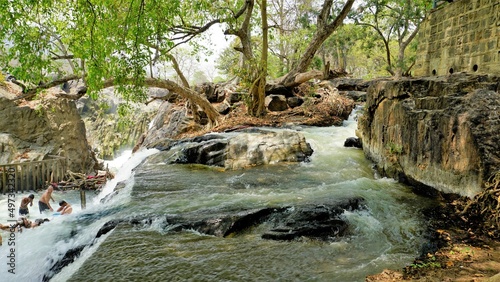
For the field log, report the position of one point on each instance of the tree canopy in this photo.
(116, 42)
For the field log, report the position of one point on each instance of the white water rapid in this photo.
(389, 233)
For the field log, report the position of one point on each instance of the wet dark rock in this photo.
(294, 102)
(68, 258)
(320, 222)
(353, 142)
(108, 226)
(325, 230)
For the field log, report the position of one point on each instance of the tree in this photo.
(258, 88)
(326, 24)
(291, 26)
(115, 43)
(397, 20)
(340, 45)
(105, 43)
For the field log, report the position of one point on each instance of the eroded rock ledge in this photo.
(441, 132)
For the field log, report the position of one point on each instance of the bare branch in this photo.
(30, 93)
(63, 57)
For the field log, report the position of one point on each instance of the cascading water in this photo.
(388, 234)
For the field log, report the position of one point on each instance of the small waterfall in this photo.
(30, 254)
(123, 167)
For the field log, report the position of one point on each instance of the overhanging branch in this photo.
(30, 93)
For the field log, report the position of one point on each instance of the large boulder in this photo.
(276, 103)
(441, 132)
(169, 122)
(236, 150)
(250, 149)
(37, 130)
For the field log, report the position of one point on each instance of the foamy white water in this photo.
(31, 253)
(122, 167)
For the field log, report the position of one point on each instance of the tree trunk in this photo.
(324, 30)
(243, 33)
(177, 69)
(205, 105)
(258, 89)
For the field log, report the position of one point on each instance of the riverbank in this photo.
(461, 248)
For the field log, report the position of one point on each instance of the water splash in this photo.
(124, 166)
(34, 251)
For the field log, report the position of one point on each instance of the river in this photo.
(388, 234)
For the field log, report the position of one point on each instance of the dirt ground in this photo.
(456, 262)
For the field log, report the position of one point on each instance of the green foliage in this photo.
(431, 262)
(118, 42)
(394, 149)
(107, 39)
(124, 111)
(39, 110)
(393, 21)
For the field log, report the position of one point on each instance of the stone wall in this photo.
(463, 36)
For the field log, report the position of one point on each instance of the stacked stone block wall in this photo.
(462, 36)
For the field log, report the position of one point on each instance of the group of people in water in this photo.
(43, 205)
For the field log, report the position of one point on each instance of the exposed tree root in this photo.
(486, 207)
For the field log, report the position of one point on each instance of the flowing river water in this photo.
(389, 233)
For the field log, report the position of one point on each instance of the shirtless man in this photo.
(43, 203)
(23, 208)
(64, 208)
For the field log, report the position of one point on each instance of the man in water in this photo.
(64, 208)
(43, 203)
(23, 208)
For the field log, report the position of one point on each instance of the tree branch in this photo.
(63, 57)
(28, 94)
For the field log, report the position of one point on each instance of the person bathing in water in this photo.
(20, 223)
(64, 208)
(44, 202)
(23, 222)
(23, 208)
